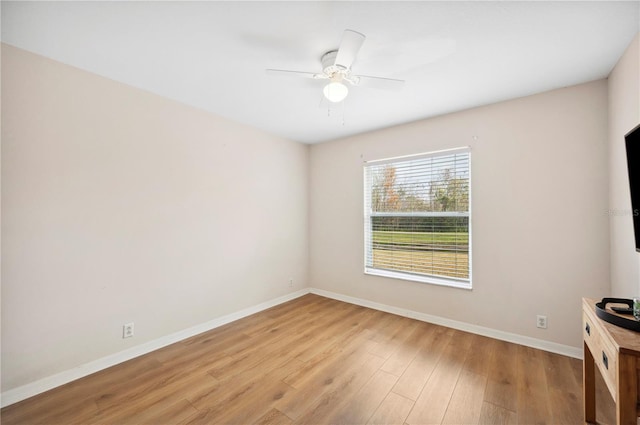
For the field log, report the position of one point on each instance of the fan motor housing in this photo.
(329, 66)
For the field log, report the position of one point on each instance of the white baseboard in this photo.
(541, 344)
(29, 390)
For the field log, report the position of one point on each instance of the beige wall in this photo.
(121, 206)
(539, 189)
(624, 115)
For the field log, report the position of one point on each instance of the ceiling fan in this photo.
(336, 67)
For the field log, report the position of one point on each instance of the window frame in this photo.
(405, 275)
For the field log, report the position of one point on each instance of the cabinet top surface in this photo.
(626, 341)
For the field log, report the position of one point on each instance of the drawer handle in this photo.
(588, 329)
(605, 360)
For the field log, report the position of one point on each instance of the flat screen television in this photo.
(632, 142)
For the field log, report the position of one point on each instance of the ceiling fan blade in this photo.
(349, 46)
(286, 72)
(378, 82)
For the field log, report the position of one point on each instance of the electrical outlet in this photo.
(290, 283)
(127, 330)
(541, 322)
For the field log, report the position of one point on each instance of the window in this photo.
(417, 218)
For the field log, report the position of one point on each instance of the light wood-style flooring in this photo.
(319, 361)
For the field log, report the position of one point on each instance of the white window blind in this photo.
(417, 218)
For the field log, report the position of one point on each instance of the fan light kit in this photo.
(336, 67)
(335, 91)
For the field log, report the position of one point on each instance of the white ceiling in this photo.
(213, 55)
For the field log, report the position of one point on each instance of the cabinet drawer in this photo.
(604, 354)
(590, 334)
(607, 361)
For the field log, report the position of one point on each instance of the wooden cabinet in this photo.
(616, 353)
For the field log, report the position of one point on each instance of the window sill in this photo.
(454, 283)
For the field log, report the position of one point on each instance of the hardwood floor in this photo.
(319, 361)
